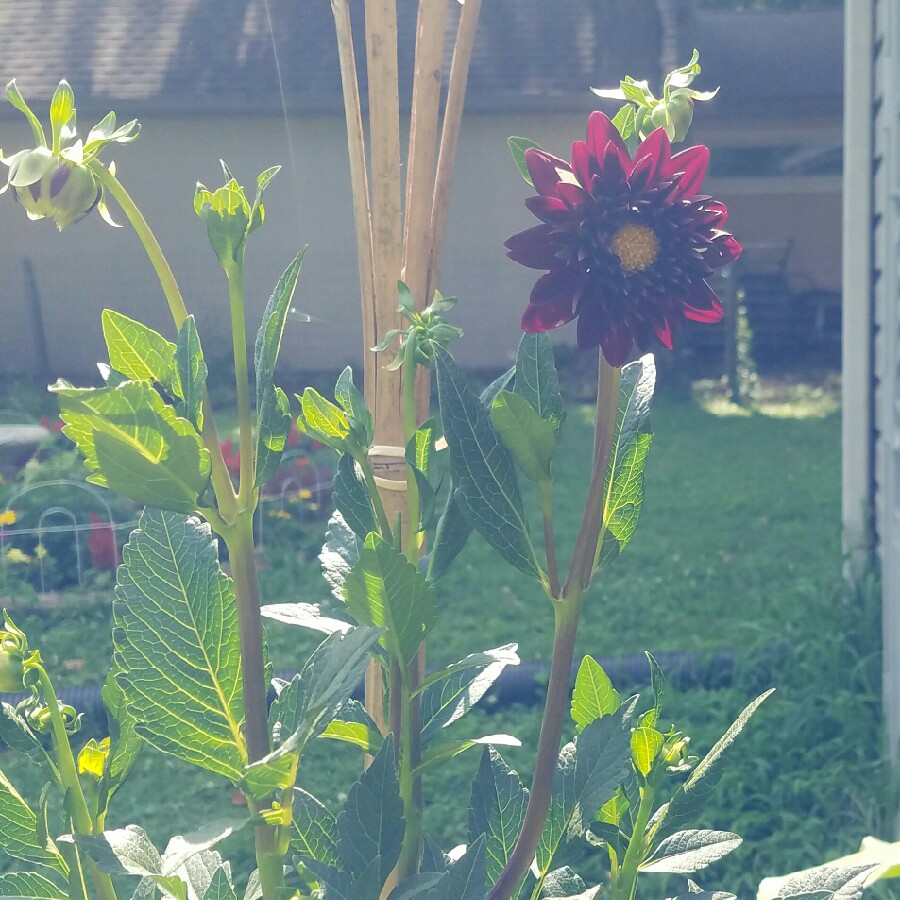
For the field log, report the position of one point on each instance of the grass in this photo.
(738, 549)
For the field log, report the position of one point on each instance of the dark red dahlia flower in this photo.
(627, 243)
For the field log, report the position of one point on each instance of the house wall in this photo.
(91, 266)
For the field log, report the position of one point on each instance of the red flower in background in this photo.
(102, 544)
(627, 243)
(231, 456)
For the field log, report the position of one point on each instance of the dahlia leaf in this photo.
(484, 475)
(354, 404)
(134, 444)
(628, 455)
(177, 645)
(385, 590)
(529, 438)
(138, 352)
(496, 810)
(315, 829)
(191, 372)
(518, 146)
(351, 497)
(537, 379)
(689, 851)
(594, 695)
(272, 406)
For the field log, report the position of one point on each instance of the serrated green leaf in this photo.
(137, 351)
(385, 590)
(530, 439)
(339, 553)
(275, 771)
(496, 810)
(624, 490)
(588, 773)
(453, 530)
(305, 615)
(658, 684)
(691, 798)
(437, 753)
(518, 146)
(420, 455)
(19, 831)
(273, 410)
(371, 825)
(185, 847)
(484, 475)
(416, 886)
(832, 881)
(30, 886)
(177, 645)
(536, 378)
(467, 877)
(563, 882)
(316, 694)
(321, 419)
(594, 695)
(315, 829)
(125, 743)
(191, 372)
(645, 744)
(449, 694)
(624, 121)
(354, 404)
(135, 445)
(354, 725)
(16, 734)
(220, 888)
(690, 851)
(352, 498)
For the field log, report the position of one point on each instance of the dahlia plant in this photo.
(627, 242)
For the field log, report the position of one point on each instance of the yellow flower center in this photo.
(636, 246)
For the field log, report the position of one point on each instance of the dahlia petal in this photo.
(617, 346)
(652, 156)
(711, 212)
(542, 167)
(726, 248)
(564, 283)
(574, 196)
(663, 331)
(600, 134)
(581, 162)
(547, 316)
(691, 164)
(551, 210)
(533, 247)
(709, 309)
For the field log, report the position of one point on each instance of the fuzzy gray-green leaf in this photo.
(537, 380)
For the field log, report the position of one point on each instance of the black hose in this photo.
(522, 684)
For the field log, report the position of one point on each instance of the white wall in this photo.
(90, 266)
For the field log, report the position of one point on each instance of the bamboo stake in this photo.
(456, 95)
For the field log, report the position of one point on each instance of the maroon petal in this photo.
(651, 157)
(664, 333)
(542, 168)
(600, 134)
(691, 164)
(712, 212)
(617, 346)
(548, 209)
(573, 195)
(581, 162)
(558, 284)
(704, 306)
(533, 247)
(725, 250)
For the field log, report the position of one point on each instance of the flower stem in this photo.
(566, 626)
(82, 821)
(221, 480)
(239, 541)
(546, 491)
(626, 884)
(235, 275)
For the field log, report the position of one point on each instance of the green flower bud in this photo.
(13, 647)
(57, 181)
(230, 218)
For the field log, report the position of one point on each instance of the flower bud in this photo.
(13, 647)
(57, 181)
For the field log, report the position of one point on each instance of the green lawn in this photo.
(738, 549)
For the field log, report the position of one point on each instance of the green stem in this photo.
(412, 811)
(221, 480)
(545, 488)
(557, 703)
(239, 541)
(82, 821)
(375, 497)
(409, 429)
(628, 872)
(235, 275)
